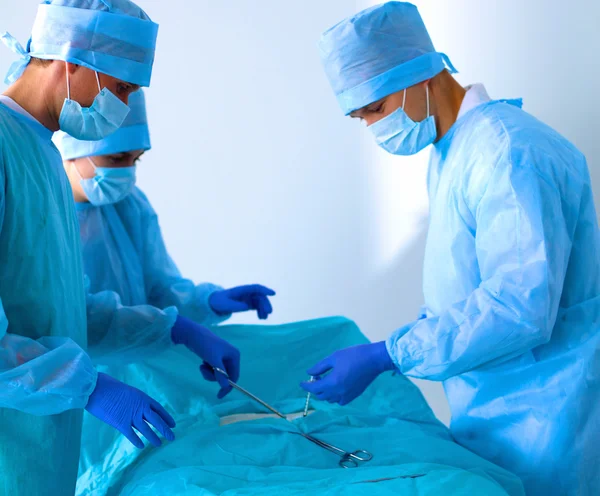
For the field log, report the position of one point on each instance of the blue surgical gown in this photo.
(512, 290)
(46, 377)
(135, 290)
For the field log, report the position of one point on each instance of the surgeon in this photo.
(511, 276)
(138, 301)
(80, 65)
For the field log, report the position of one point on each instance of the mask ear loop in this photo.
(427, 91)
(93, 164)
(68, 81)
(98, 81)
(77, 170)
(404, 100)
(79, 173)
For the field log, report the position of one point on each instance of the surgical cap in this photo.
(132, 135)
(113, 37)
(378, 52)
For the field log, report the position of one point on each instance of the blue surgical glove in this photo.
(124, 407)
(242, 299)
(215, 352)
(350, 372)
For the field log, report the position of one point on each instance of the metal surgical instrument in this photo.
(348, 459)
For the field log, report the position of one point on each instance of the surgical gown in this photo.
(512, 289)
(135, 290)
(46, 377)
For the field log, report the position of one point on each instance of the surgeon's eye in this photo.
(123, 89)
(377, 109)
(115, 159)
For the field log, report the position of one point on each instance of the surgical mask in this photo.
(109, 185)
(103, 118)
(398, 134)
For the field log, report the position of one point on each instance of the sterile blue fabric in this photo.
(512, 288)
(109, 184)
(114, 37)
(414, 454)
(377, 52)
(46, 377)
(124, 254)
(133, 135)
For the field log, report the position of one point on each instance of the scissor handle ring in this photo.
(348, 462)
(361, 456)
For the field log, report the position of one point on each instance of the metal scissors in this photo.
(348, 459)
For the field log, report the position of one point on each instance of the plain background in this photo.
(258, 177)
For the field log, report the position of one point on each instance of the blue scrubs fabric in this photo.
(512, 286)
(135, 290)
(46, 377)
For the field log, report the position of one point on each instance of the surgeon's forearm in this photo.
(470, 334)
(126, 334)
(44, 377)
(192, 301)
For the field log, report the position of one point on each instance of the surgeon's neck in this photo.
(34, 91)
(448, 96)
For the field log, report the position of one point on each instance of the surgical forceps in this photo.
(348, 459)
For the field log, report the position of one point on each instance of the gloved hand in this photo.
(242, 299)
(215, 352)
(123, 407)
(351, 372)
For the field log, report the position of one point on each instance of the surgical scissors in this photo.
(348, 459)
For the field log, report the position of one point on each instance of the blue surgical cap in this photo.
(113, 37)
(132, 135)
(378, 52)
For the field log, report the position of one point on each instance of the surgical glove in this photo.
(124, 407)
(351, 371)
(215, 352)
(242, 299)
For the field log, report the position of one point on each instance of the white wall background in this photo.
(258, 178)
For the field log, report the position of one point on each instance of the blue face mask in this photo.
(103, 118)
(109, 185)
(398, 134)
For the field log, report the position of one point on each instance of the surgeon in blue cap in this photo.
(75, 73)
(138, 303)
(511, 323)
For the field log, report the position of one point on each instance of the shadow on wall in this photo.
(402, 279)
